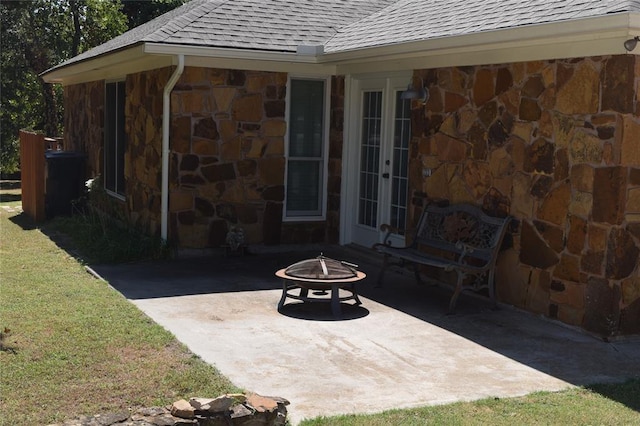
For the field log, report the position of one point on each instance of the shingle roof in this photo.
(268, 25)
(343, 25)
(415, 20)
(278, 25)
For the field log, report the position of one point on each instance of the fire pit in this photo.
(320, 275)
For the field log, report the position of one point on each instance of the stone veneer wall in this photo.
(228, 156)
(336, 141)
(556, 144)
(84, 122)
(84, 132)
(143, 162)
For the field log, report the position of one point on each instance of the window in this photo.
(114, 138)
(306, 149)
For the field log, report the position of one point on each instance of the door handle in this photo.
(385, 175)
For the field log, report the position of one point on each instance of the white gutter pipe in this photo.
(166, 126)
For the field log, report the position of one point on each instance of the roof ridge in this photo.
(172, 25)
(379, 11)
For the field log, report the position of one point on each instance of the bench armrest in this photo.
(388, 230)
(465, 249)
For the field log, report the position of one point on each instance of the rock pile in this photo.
(229, 409)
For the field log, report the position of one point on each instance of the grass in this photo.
(10, 193)
(614, 404)
(76, 346)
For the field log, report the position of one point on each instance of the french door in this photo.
(380, 172)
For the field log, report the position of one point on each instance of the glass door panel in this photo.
(370, 159)
(400, 173)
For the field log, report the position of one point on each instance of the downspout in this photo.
(166, 125)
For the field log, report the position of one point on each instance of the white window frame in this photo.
(322, 212)
(117, 172)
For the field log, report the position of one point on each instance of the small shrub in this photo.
(100, 231)
(100, 240)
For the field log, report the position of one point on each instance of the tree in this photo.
(36, 35)
(21, 94)
(140, 11)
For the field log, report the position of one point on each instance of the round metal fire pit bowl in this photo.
(319, 278)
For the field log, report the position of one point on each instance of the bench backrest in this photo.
(460, 227)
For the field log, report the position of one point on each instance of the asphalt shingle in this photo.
(269, 25)
(416, 20)
(343, 25)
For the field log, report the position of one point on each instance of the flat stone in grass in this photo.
(228, 409)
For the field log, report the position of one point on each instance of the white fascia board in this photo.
(243, 59)
(489, 56)
(252, 65)
(579, 38)
(217, 52)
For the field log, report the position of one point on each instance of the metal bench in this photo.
(460, 238)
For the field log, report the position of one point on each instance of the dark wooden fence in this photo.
(32, 147)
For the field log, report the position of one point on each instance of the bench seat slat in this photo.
(423, 258)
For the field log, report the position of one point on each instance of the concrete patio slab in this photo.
(398, 349)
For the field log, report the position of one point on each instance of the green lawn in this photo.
(617, 404)
(76, 346)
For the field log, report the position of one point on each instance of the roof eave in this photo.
(99, 67)
(146, 56)
(603, 35)
(597, 36)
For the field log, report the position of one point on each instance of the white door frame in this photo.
(351, 147)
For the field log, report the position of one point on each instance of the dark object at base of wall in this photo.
(64, 181)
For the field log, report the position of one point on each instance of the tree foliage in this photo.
(140, 11)
(36, 35)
